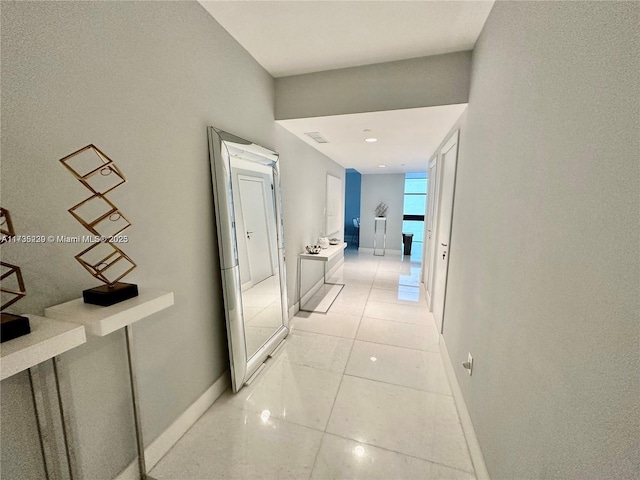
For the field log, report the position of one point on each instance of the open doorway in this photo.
(352, 195)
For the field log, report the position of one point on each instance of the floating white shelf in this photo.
(325, 254)
(48, 338)
(100, 321)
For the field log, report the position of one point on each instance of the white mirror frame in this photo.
(242, 368)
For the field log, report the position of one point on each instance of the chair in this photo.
(355, 237)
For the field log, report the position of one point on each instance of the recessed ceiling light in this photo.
(382, 166)
(370, 139)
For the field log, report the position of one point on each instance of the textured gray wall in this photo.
(419, 82)
(544, 266)
(141, 80)
(387, 188)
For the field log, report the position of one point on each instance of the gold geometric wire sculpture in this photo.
(11, 281)
(96, 171)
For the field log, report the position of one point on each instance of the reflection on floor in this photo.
(262, 312)
(358, 393)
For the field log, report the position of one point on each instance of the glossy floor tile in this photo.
(416, 423)
(322, 300)
(317, 351)
(296, 393)
(227, 443)
(396, 313)
(336, 324)
(401, 295)
(341, 458)
(359, 392)
(407, 335)
(345, 306)
(399, 366)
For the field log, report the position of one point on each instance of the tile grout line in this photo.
(378, 381)
(343, 374)
(398, 321)
(397, 385)
(401, 453)
(398, 346)
(353, 341)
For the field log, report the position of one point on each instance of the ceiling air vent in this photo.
(317, 137)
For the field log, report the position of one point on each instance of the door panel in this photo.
(442, 242)
(254, 214)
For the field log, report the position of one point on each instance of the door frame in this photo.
(450, 144)
(261, 181)
(432, 214)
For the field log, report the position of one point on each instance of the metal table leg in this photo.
(136, 407)
(62, 390)
(324, 281)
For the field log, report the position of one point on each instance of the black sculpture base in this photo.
(106, 295)
(13, 326)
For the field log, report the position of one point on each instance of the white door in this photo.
(442, 244)
(254, 213)
(430, 227)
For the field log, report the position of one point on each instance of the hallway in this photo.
(360, 392)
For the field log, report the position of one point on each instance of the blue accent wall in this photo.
(353, 187)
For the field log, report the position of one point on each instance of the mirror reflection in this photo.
(254, 201)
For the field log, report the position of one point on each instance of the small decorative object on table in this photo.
(323, 242)
(12, 288)
(381, 210)
(103, 259)
(313, 249)
(334, 241)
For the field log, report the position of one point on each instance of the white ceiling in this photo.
(294, 37)
(406, 138)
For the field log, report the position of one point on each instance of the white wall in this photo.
(303, 197)
(544, 266)
(141, 80)
(418, 82)
(389, 189)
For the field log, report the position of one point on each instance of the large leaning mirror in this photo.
(246, 194)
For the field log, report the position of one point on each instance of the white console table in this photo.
(100, 321)
(325, 256)
(48, 339)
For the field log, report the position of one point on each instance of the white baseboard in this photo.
(335, 267)
(312, 291)
(295, 308)
(167, 439)
(465, 419)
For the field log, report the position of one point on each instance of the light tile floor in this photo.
(357, 393)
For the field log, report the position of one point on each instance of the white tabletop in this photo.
(47, 339)
(325, 254)
(101, 321)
